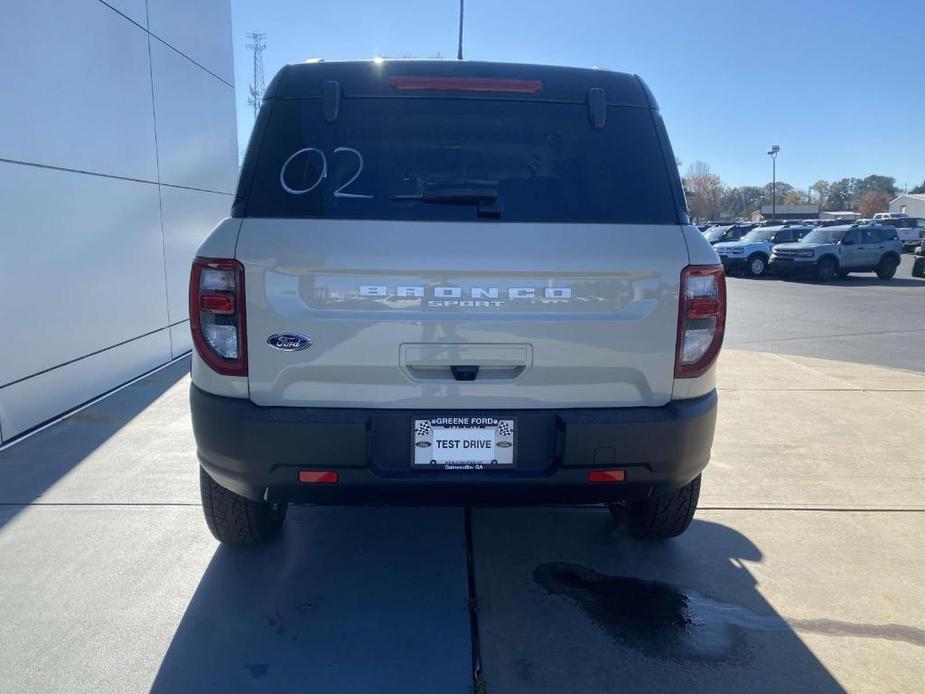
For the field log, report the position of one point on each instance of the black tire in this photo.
(236, 520)
(886, 268)
(662, 517)
(756, 265)
(826, 269)
(841, 274)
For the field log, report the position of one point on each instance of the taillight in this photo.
(701, 319)
(216, 311)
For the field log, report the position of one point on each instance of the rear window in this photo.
(520, 161)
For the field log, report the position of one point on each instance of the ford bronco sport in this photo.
(827, 252)
(455, 283)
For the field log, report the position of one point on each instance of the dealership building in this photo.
(118, 154)
(912, 204)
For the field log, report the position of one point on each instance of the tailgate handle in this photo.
(465, 373)
(465, 362)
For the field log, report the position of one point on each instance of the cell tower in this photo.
(257, 87)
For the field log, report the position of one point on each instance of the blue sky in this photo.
(838, 84)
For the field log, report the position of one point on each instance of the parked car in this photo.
(889, 215)
(911, 230)
(827, 252)
(732, 232)
(752, 252)
(388, 320)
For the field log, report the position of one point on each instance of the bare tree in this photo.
(704, 191)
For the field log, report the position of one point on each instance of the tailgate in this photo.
(553, 315)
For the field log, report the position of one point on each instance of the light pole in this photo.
(459, 55)
(773, 154)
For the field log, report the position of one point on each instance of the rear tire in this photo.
(826, 269)
(887, 267)
(662, 517)
(756, 266)
(236, 520)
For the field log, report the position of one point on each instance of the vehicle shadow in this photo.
(566, 603)
(347, 600)
(31, 467)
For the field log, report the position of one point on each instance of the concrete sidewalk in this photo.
(803, 571)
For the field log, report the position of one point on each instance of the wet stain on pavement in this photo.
(655, 618)
(664, 620)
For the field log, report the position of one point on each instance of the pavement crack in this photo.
(477, 675)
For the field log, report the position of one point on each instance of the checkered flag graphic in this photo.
(423, 429)
(504, 428)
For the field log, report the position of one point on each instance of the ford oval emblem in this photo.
(289, 342)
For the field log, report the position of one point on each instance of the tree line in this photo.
(708, 198)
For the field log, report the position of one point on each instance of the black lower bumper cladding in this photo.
(259, 452)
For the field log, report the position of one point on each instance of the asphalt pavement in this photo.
(858, 318)
(802, 570)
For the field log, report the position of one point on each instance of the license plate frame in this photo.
(427, 453)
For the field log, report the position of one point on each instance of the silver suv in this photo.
(455, 283)
(827, 252)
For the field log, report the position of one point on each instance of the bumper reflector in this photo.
(606, 475)
(317, 477)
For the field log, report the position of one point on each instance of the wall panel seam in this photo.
(92, 354)
(4, 160)
(166, 43)
(157, 168)
(199, 65)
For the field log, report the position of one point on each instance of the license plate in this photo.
(463, 443)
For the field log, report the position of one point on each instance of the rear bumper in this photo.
(258, 452)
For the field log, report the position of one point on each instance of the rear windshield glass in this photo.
(418, 158)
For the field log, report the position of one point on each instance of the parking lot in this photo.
(802, 570)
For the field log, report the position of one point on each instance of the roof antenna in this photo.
(459, 50)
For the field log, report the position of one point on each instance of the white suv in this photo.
(752, 252)
(455, 283)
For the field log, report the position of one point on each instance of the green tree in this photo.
(875, 183)
(740, 201)
(841, 194)
(782, 189)
(821, 188)
(920, 188)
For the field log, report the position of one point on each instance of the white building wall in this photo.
(118, 154)
(912, 205)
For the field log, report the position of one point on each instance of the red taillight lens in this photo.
(606, 476)
(217, 321)
(466, 84)
(701, 319)
(317, 477)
